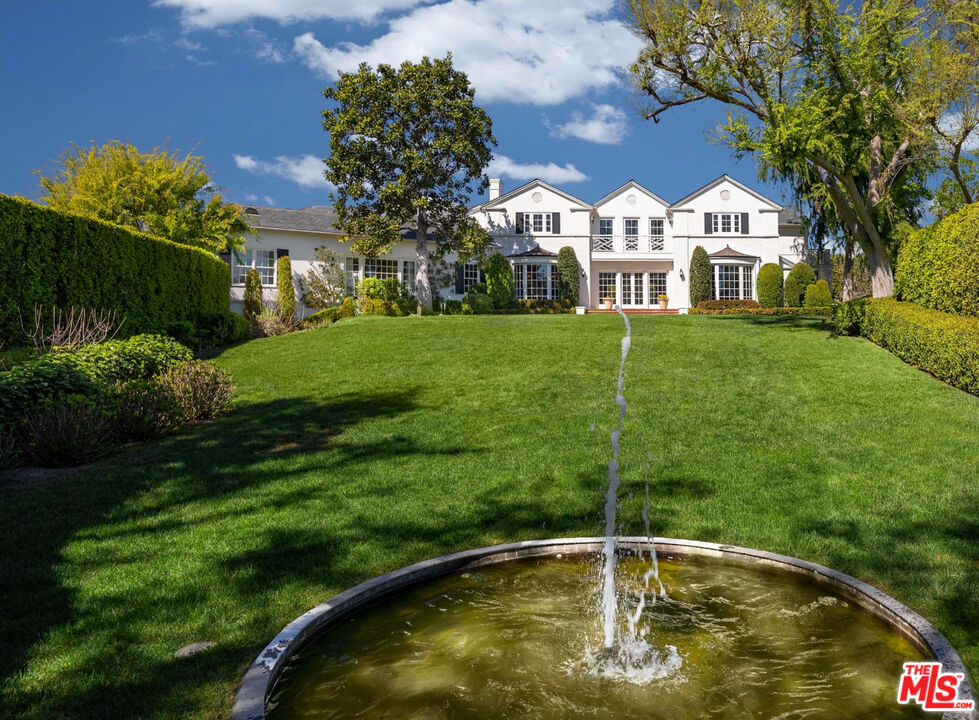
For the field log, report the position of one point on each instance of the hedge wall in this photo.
(947, 346)
(938, 266)
(50, 259)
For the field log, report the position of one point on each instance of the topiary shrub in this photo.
(938, 266)
(770, 286)
(945, 345)
(568, 275)
(499, 280)
(848, 316)
(700, 274)
(200, 389)
(286, 295)
(799, 278)
(319, 319)
(818, 295)
(251, 304)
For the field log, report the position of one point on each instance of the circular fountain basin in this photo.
(510, 631)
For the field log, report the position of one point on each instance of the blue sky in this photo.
(240, 82)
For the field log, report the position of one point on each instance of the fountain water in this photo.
(627, 654)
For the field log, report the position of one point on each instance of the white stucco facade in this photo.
(632, 245)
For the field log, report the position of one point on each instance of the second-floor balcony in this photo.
(630, 244)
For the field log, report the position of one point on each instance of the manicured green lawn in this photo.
(362, 447)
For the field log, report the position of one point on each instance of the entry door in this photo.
(633, 290)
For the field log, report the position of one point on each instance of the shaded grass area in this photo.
(377, 442)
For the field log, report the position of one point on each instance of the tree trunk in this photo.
(881, 272)
(847, 291)
(423, 288)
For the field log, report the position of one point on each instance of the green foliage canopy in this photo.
(157, 192)
(408, 146)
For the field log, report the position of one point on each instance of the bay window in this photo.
(732, 282)
(536, 281)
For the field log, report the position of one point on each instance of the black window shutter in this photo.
(556, 223)
(708, 223)
(459, 285)
(519, 223)
(744, 223)
(281, 253)
(482, 276)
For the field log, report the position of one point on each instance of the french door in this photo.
(633, 289)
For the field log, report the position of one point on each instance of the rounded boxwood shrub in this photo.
(286, 295)
(199, 389)
(700, 272)
(799, 278)
(499, 280)
(818, 295)
(770, 286)
(568, 275)
(938, 266)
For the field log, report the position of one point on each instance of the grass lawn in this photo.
(377, 442)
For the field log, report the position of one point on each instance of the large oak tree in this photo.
(408, 146)
(842, 100)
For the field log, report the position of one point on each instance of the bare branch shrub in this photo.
(70, 329)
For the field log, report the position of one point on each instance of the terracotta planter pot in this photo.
(607, 303)
(663, 304)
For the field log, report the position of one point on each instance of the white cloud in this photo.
(304, 170)
(604, 124)
(268, 199)
(214, 13)
(542, 52)
(251, 197)
(502, 166)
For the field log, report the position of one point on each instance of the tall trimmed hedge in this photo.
(799, 278)
(938, 266)
(58, 259)
(770, 286)
(947, 346)
(700, 271)
(568, 274)
(286, 289)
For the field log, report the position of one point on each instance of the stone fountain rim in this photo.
(260, 677)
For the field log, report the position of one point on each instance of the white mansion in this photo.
(632, 245)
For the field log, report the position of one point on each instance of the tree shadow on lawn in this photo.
(164, 487)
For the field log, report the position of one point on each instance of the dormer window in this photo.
(726, 223)
(539, 223)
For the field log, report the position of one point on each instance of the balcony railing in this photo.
(640, 244)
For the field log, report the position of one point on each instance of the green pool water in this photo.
(520, 640)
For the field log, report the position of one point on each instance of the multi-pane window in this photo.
(352, 272)
(732, 282)
(408, 275)
(657, 286)
(555, 289)
(631, 226)
(535, 284)
(727, 222)
(603, 241)
(540, 222)
(381, 268)
(261, 260)
(606, 285)
(470, 276)
(656, 235)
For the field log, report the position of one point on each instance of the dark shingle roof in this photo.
(315, 218)
(536, 251)
(791, 215)
(728, 252)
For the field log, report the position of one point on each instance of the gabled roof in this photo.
(536, 251)
(718, 181)
(790, 215)
(315, 218)
(729, 252)
(635, 185)
(524, 188)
